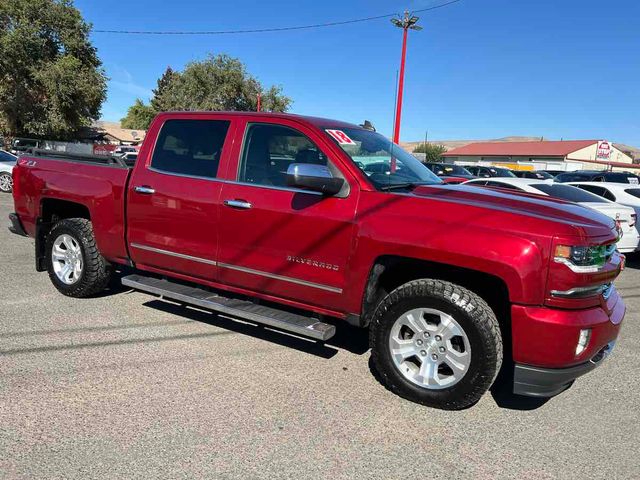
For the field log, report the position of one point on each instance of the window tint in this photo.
(190, 147)
(569, 193)
(502, 185)
(6, 157)
(270, 149)
(600, 191)
(572, 177)
(633, 191)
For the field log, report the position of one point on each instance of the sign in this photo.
(103, 149)
(341, 137)
(603, 151)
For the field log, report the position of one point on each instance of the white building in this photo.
(550, 155)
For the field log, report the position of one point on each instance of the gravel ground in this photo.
(126, 385)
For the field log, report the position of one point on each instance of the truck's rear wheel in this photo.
(436, 343)
(74, 263)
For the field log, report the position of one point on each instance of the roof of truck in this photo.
(317, 121)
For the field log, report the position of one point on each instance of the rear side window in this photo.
(567, 192)
(599, 191)
(633, 191)
(190, 147)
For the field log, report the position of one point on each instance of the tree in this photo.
(433, 152)
(163, 84)
(51, 79)
(139, 116)
(216, 83)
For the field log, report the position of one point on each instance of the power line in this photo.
(264, 30)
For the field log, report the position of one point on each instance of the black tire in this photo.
(96, 271)
(7, 180)
(472, 314)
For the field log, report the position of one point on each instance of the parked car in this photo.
(598, 176)
(536, 174)
(624, 216)
(7, 162)
(129, 158)
(22, 145)
(270, 218)
(449, 172)
(487, 172)
(616, 192)
(553, 173)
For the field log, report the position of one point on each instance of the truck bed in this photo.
(97, 183)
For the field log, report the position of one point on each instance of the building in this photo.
(552, 155)
(111, 132)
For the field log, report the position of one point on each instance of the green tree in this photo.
(216, 83)
(163, 84)
(139, 116)
(51, 79)
(433, 152)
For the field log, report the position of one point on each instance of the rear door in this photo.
(282, 241)
(173, 196)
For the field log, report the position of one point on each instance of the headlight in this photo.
(582, 259)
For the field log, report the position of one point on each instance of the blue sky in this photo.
(479, 69)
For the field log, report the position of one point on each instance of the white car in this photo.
(622, 193)
(7, 162)
(624, 216)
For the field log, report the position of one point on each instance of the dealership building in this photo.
(550, 155)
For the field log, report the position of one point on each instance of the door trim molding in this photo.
(174, 254)
(238, 268)
(281, 277)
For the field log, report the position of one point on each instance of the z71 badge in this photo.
(312, 263)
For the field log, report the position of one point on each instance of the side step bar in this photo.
(290, 322)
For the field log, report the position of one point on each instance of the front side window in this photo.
(270, 149)
(383, 162)
(190, 147)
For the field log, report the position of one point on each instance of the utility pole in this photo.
(406, 23)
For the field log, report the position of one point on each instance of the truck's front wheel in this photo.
(436, 343)
(74, 263)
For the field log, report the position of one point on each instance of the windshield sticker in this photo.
(341, 137)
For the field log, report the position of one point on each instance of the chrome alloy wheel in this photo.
(6, 182)
(66, 258)
(429, 348)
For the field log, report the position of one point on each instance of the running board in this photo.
(244, 309)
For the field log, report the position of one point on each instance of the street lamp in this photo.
(406, 23)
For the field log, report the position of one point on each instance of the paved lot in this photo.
(128, 386)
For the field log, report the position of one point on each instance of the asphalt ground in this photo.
(127, 386)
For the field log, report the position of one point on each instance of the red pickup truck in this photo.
(299, 222)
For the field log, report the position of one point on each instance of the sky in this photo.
(479, 69)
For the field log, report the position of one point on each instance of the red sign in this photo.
(103, 149)
(604, 150)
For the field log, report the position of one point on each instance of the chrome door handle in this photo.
(238, 204)
(144, 189)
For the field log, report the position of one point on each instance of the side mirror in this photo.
(310, 176)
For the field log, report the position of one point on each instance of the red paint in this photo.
(396, 128)
(510, 236)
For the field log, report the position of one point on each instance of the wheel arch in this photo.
(53, 210)
(390, 271)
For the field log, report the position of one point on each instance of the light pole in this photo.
(407, 22)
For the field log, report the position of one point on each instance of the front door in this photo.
(173, 198)
(282, 241)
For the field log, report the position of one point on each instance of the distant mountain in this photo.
(451, 144)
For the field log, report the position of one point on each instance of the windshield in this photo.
(566, 192)
(384, 162)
